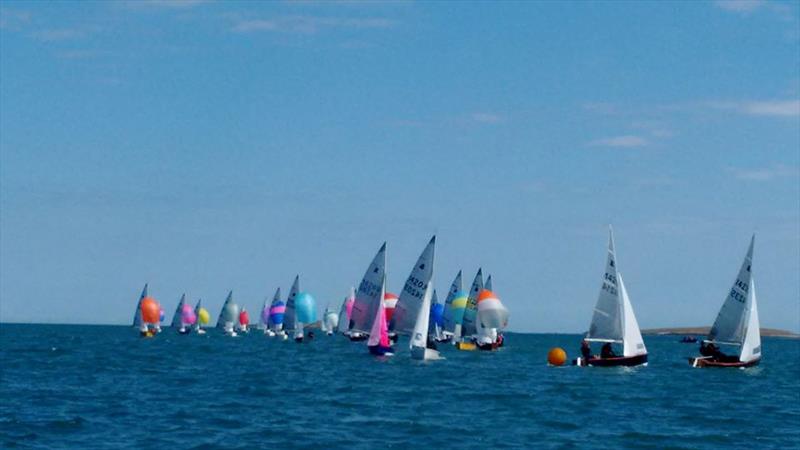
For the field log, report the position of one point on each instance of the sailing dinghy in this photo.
(613, 321)
(378, 343)
(202, 317)
(454, 306)
(466, 341)
(737, 323)
(369, 297)
(419, 343)
(244, 321)
(228, 316)
(492, 316)
(330, 320)
(184, 317)
(345, 312)
(410, 301)
(277, 311)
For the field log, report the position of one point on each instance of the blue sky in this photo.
(204, 146)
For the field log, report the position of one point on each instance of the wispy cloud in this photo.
(12, 19)
(625, 141)
(774, 108)
(487, 118)
(60, 34)
(309, 24)
(168, 4)
(740, 6)
(765, 173)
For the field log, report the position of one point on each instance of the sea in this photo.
(85, 387)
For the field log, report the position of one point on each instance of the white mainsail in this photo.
(176, 318)
(419, 336)
(410, 301)
(488, 284)
(731, 320)
(606, 325)
(737, 321)
(468, 327)
(137, 315)
(369, 296)
(290, 318)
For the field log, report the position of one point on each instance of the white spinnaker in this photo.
(606, 323)
(730, 324)
(632, 342)
(330, 319)
(751, 347)
(410, 301)
(368, 296)
(229, 314)
(419, 336)
(137, 315)
(450, 324)
(468, 327)
(176, 318)
(289, 317)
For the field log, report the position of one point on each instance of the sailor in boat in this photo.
(586, 350)
(431, 343)
(500, 339)
(607, 352)
(713, 353)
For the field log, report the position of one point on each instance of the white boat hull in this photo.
(422, 353)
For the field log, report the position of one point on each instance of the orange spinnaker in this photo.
(150, 310)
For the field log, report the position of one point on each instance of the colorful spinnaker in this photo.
(389, 304)
(378, 343)
(203, 317)
(244, 320)
(306, 312)
(277, 311)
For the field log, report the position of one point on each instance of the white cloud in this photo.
(170, 4)
(309, 24)
(788, 108)
(626, 141)
(740, 6)
(765, 173)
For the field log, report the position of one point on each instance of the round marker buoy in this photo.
(557, 356)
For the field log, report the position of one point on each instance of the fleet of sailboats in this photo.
(470, 320)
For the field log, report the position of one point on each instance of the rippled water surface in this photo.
(100, 387)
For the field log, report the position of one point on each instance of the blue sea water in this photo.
(85, 387)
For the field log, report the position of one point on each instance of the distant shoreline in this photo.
(772, 332)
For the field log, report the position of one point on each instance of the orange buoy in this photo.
(557, 356)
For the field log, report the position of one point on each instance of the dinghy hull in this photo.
(707, 362)
(422, 353)
(378, 350)
(623, 361)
